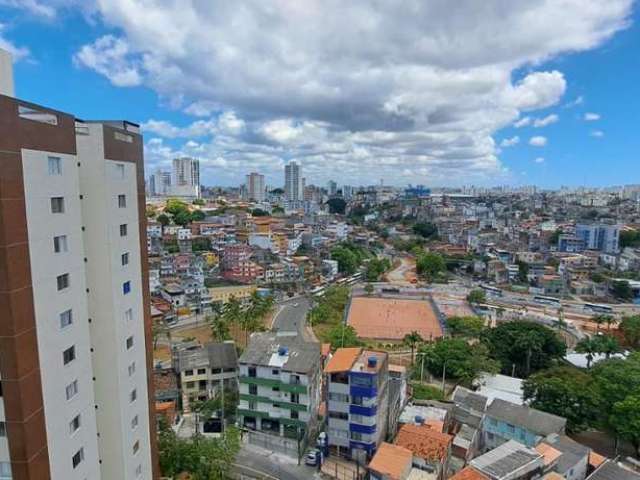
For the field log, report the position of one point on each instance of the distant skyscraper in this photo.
(255, 187)
(159, 183)
(293, 183)
(185, 181)
(347, 192)
(332, 187)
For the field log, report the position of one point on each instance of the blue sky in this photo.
(427, 96)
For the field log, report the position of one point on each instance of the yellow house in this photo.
(221, 295)
(211, 258)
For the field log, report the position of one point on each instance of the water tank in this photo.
(283, 351)
(419, 420)
(373, 362)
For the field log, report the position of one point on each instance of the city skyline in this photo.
(537, 110)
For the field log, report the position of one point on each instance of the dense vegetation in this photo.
(349, 257)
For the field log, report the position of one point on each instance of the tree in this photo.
(622, 290)
(197, 216)
(599, 320)
(430, 265)
(468, 327)
(182, 218)
(174, 206)
(630, 328)
(412, 340)
(368, 288)
(630, 238)
(567, 392)
(164, 220)
(219, 328)
(608, 345)
(523, 271)
(458, 359)
(477, 296)
(625, 419)
(337, 205)
(425, 229)
(375, 268)
(258, 212)
(526, 345)
(232, 312)
(198, 201)
(343, 336)
(347, 260)
(588, 346)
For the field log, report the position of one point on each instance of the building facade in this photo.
(357, 402)
(255, 187)
(76, 351)
(293, 183)
(185, 179)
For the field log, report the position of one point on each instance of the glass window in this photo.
(131, 368)
(202, 371)
(57, 205)
(124, 259)
(66, 318)
(74, 424)
(69, 355)
(77, 458)
(133, 395)
(136, 447)
(122, 201)
(129, 342)
(55, 166)
(62, 281)
(120, 170)
(60, 244)
(139, 471)
(3, 429)
(126, 287)
(128, 314)
(123, 230)
(134, 422)
(72, 390)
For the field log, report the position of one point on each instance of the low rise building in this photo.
(510, 461)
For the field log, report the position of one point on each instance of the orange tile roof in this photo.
(469, 473)
(549, 454)
(392, 461)
(397, 368)
(553, 476)
(342, 360)
(392, 319)
(424, 441)
(595, 459)
(435, 425)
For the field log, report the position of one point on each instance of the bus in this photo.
(492, 291)
(318, 291)
(598, 308)
(555, 302)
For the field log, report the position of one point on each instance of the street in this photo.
(291, 315)
(256, 462)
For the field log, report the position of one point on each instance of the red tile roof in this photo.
(424, 441)
(469, 473)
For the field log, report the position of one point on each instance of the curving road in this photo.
(292, 316)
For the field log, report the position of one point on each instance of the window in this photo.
(202, 371)
(339, 415)
(294, 414)
(356, 436)
(133, 395)
(123, 230)
(129, 342)
(128, 315)
(253, 405)
(136, 447)
(126, 287)
(123, 137)
(139, 471)
(57, 205)
(132, 368)
(134, 422)
(3, 429)
(74, 424)
(69, 355)
(252, 372)
(62, 281)
(253, 390)
(66, 318)
(122, 201)
(55, 166)
(120, 170)
(191, 384)
(60, 244)
(188, 373)
(5, 471)
(275, 372)
(77, 458)
(72, 390)
(124, 259)
(339, 397)
(295, 398)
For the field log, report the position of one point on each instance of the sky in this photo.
(433, 92)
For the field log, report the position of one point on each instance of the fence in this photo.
(342, 470)
(286, 446)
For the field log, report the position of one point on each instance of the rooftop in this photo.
(424, 441)
(536, 421)
(507, 458)
(392, 461)
(611, 470)
(212, 355)
(392, 318)
(287, 352)
(469, 473)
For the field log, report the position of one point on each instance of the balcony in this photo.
(362, 410)
(366, 429)
(366, 392)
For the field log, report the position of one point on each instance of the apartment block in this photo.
(279, 385)
(357, 403)
(75, 348)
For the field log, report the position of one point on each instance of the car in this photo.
(313, 458)
(295, 305)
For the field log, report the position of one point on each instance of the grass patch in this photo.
(426, 392)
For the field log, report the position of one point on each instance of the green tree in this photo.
(258, 212)
(197, 216)
(199, 201)
(630, 238)
(622, 290)
(182, 218)
(430, 265)
(523, 271)
(368, 288)
(526, 345)
(174, 206)
(469, 327)
(347, 260)
(590, 347)
(608, 345)
(458, 359)
(163, 220)
(567, 392)
(232, 312)
(219, 328)
(375, 268)
(625, 419)
(412, 340)
(477, 296)
(599, 320)
(343, 336)
(337, 205)
(630, 328)
(425, 229)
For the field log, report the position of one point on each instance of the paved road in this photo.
(255, 462)
(292, 315)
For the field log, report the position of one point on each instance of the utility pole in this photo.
(444, 370)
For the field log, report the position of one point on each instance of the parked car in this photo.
(313, 458)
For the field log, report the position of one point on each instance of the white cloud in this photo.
(31, 6)
(411, 94)
(510, 142)
(597, 133)
(18, 53)
(539, 160)
(548, 120)
(111, 57)
(591, 117)
(574, 103)
(538, 141)
(523, 122)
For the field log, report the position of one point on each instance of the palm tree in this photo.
(588, 346)
(608, 345)
(561, 321)
(531, 342)
(219, 328)
(599, 320)
(232, 312)
(412, 339)
(610, 320)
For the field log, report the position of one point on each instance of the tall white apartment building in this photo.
(185, 180)
(75, 335)
(293, 183)
(255, 187)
